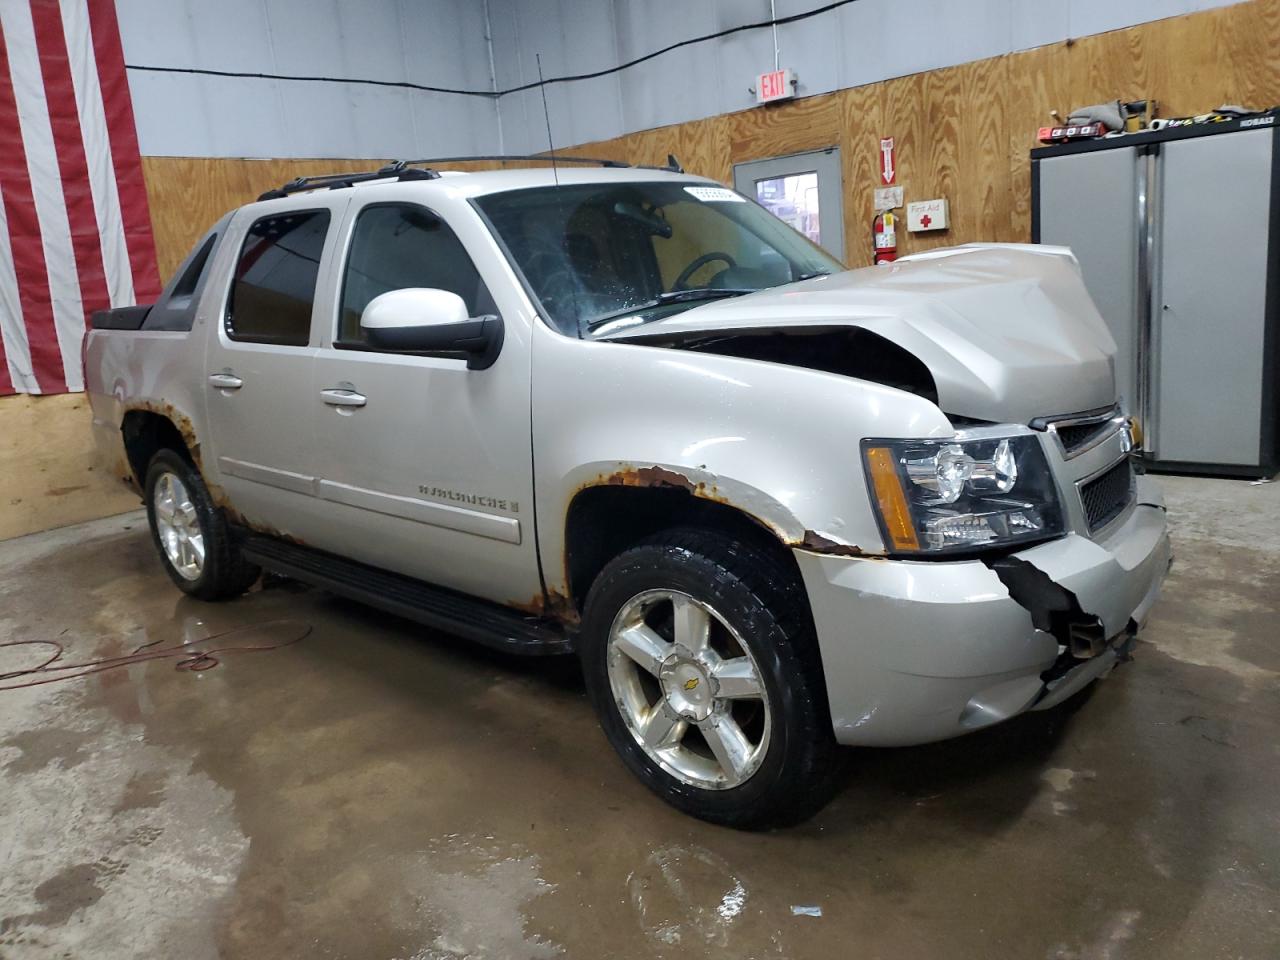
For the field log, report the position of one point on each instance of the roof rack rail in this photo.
(399, 169)
(417, 170)
(672, 163)
(543, 157)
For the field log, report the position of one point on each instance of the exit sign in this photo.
(774, 85)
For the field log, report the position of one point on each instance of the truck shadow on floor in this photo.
(985, 779)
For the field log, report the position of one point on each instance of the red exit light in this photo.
(774, 85)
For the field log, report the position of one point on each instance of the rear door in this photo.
(425, 466)
(259, 368)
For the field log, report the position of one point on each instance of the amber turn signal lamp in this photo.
(891, 498)
(1135, 432)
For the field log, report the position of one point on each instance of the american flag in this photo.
(75, 232)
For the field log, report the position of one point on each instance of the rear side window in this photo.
(400, 245)
(176, 308)
(190, 278)
(275, 279)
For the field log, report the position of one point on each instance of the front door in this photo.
(425, 466)
(802, 190)
(259, 369)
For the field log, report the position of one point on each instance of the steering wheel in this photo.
(700, 262)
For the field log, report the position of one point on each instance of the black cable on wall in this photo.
(495, 94)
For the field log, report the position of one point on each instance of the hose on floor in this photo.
(190, 655)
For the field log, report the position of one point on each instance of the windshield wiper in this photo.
(813, 273)
(662, 299)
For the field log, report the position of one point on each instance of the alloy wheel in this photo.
(178, 527)
(688, 689)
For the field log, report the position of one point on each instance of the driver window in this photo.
(399, 245)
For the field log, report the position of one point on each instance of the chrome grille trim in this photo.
(1077, 433)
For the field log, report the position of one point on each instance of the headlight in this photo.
(946, 496)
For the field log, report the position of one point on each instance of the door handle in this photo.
(226, 381)
(341, 397)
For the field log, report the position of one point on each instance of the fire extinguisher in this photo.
(884, 237)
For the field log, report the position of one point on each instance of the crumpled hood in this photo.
(1008, 331)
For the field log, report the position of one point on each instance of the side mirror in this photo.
(424, 320)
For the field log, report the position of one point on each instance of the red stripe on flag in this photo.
(6, 384)
(25, 240)
(124, 149)
(60, 94)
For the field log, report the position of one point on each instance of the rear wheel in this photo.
(700, 659)
(191, 534)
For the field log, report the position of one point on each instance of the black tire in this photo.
(762, 599)
(225, 572)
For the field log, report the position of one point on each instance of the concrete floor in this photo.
(375, 791)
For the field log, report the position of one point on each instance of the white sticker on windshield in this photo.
(714, 194)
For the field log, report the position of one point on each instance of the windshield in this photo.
(598, 256)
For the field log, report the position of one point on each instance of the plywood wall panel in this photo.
(861, 126)
(49, 470)
(703, 148)
(982, 134)
(1034, 83)
(783, 128)
(189, 194)
(966, 132)
(1227, 56)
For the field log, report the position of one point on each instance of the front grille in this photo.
(1106, 495)
(1078, 435)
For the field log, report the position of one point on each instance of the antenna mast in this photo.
(542, 88)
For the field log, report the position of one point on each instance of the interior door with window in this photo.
(258, 369)
(425, 466)
(803, 190)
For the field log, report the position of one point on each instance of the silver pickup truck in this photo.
(773, 505)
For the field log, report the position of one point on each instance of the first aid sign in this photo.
(925, 215)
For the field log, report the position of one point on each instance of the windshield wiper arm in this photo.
(671, 296)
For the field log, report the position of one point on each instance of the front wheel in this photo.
(191, 534)
(701, 662)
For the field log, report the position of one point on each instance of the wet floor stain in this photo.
(472, 897)
(58, 898)
(142, 791)
(686, 896)
(37, 749)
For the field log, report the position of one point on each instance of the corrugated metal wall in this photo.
(444, 43)
(861, 43)
(433, 42)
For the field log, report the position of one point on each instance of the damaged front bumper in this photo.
(921, 651)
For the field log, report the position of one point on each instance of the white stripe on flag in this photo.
(17, 351)
(46, 186)
(97, 147)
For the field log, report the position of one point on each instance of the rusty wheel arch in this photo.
(170, 428)
(615, 511)
(148, 427)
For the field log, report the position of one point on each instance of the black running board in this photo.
(490, 624)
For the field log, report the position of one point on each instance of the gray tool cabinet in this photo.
(1176, 233)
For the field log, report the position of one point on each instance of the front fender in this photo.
(777, 442)
(697, 481)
